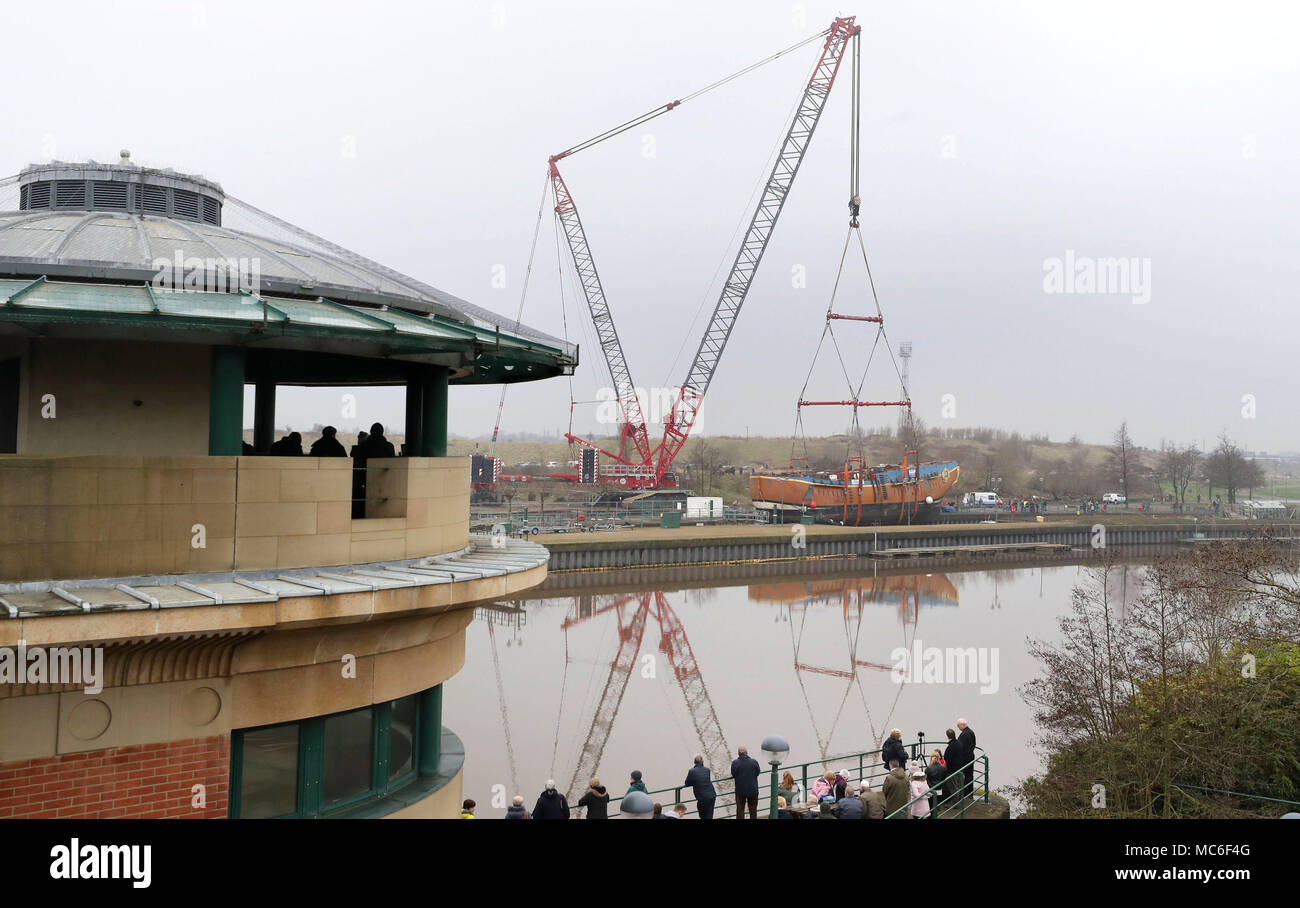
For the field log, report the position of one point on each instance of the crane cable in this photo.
(746, 213)
(665, 108)
(519, 313)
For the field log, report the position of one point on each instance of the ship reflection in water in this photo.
(612, 681)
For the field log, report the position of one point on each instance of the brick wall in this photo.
(144, 781)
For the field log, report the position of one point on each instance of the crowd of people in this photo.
(948, 776)
(369, 444)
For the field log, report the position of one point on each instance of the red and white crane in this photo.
(636, 464)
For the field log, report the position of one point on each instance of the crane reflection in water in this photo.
(625, 619)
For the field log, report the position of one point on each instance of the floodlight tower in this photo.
(905, 354)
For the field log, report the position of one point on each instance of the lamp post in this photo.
(637, 805)
(777, 749)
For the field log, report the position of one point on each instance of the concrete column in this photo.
(264, 416)
(430, 706)
(226, 407)
(434, 406)
(415, 415)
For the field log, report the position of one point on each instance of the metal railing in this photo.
(1180, 786)
(564, 517)
(865, 766)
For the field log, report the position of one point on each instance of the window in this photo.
(270, 771)
(349, 755)
(401, 751)
(327, 764)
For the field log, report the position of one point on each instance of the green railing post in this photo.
(772, 784)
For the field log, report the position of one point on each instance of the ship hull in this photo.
(882, 499)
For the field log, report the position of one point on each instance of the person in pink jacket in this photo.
(921, 809)
(824, 786)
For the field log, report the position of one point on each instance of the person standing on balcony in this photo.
(516, 810)
(551, 805)
(372, 445)
(745, 772)
(936, 775)
(637, 784)
(700, 780)
(327, 445)
(893, 749)
(967, 741)
(920, 808)
(596, 800)
(897, 791)
(376, 445)
(952, 764)
(289, 446)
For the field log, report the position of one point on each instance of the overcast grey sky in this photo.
(996, 137)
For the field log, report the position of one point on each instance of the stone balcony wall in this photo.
(65, 518)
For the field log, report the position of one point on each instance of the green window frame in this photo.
(311, 757)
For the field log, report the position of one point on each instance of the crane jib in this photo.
(677, 425)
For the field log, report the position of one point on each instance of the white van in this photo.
(980, 500)
(1113, 498)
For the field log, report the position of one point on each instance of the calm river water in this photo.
(806, 654)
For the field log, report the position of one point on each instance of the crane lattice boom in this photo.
(678, 425)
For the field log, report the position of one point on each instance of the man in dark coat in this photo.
(551, 805)
(967, 741)
(952, 756)
(849, 807)
(745, 772)
(376, 445)
(373, 445)
(289, 446)
(897, 791)
(700, 781)
(596, 800)
(327, 445)
(893, 749)
(873, 802)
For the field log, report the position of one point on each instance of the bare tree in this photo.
(1121, 454)
(1227, 467)
(704, 464)
(1179, 465)
(911, 431)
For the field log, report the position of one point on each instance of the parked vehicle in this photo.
(1114, 498)
(981, 500)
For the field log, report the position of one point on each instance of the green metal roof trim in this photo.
(270, 321)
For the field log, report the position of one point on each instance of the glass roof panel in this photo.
(324, 315)
(121, 299)
(215, 305)
(408, 323)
